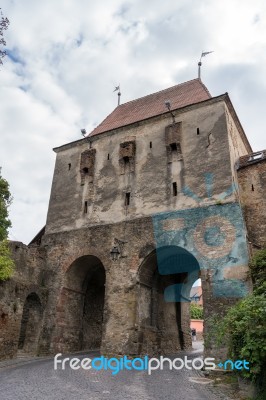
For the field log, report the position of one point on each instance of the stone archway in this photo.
(30, 324)
(81, 305)
(165, 278)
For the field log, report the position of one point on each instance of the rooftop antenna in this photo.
(118, 94)
(203, 54)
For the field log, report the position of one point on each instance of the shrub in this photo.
(196, 311)
(242, 329)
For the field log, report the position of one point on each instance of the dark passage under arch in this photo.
(30, 324)
(81, 305)
(165, 279)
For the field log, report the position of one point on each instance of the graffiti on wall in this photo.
(211, 237)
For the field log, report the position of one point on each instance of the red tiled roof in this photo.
(181, 95)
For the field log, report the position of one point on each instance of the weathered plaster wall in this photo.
(237, 147)
(252, 186)
(150, 177)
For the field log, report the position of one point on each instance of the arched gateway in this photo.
(80, 306)
(31, 323)
(165, 278)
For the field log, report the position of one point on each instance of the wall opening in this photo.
(81, 305)
(174, 189)
(87, 165)
(173, 147)
(127, 199)
(175, 152)
(69, 166)
(127, 157)
(252, 188)
(150, 145)
(165, 279)
(126, 165)
(198, 131)
(108, 156)
(196, 312)
(30, 324)
(85, 207)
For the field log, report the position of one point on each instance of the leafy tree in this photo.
(5, 201)
(4, 23)
(196, 311)
(6, 263)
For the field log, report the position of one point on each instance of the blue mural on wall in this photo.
(213, 235)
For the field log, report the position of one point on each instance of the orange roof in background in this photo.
(181, 95)
(196, 291)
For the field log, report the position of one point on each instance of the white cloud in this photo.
(66, 58)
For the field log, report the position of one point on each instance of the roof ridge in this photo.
(164, 90)
(144, 107)
(101, 122)
(205, 87)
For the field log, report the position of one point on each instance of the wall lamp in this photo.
(115, 253)
(117, 250)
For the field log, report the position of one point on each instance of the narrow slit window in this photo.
(150, 145)
(198, 131)
(85, 207)
(174, 189)
(252, 188)
(69, 166)
(127, 199)
(108, 157)
(126, 160)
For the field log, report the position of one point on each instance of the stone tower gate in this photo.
(139, 209)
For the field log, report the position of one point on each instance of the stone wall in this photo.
(252, 186)
(30, 279)
(137, 316)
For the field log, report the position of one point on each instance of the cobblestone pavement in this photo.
(36, 379)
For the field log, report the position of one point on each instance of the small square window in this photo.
(173, 146)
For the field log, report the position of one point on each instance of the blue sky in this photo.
(65, 58)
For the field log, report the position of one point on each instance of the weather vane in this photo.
(119, 93)
(203, 54)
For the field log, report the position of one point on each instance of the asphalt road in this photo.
(37, 380)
